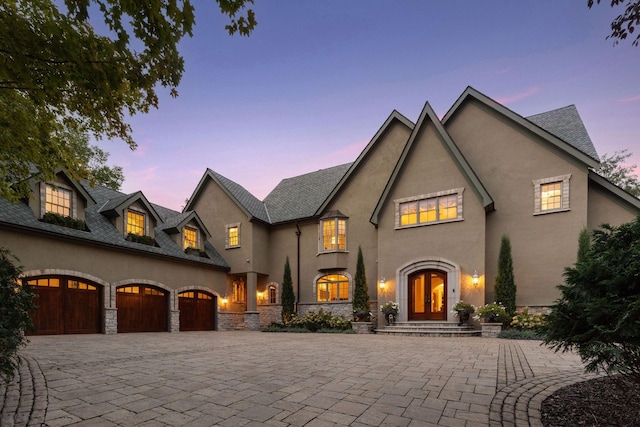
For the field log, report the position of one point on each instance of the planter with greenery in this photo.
(463, 311)
(197, 252)
(142, 239)
(64, 221)
(390, 311)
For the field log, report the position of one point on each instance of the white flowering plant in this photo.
(390, 308)
(493, 313)
(463, 307)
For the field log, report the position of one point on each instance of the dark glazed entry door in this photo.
(427, 295)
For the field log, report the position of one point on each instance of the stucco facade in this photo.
(426, 202)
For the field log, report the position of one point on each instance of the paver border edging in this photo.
(25, 398)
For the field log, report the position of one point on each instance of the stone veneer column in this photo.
(252, 320)
(174, 320)
(252, 290)
(110, 321)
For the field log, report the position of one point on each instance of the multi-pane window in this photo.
(551, 196)
(233, 236)
(433, 209)
(58, 200)
(333, 287)
(334, 234)
(190, 237)
(239, 291)
(135, 223)
(272, 294)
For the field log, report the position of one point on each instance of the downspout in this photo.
(298, 233)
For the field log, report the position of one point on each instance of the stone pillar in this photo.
(252, 320)
(110, 321)
(252, 291)
(174, 321)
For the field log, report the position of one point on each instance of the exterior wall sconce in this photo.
(383, 283)
(224, 301)
(476, 279)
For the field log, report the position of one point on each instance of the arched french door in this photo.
(427, 295)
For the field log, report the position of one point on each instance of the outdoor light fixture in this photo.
(383, 283)
(475, 280)
(224, 301)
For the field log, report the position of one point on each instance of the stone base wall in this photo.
(174, 321)
(252, 320)
(270, 314)
(491, 330)
(336, 308)
(230, 321)
(110, 321)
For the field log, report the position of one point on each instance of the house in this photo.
(427, 202)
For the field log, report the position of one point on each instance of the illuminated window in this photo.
(74, 284)
(430, 208)
(190, 237)
(333, 229)
(233, 236)
(551, 195)
(58, 200)
(50, 282)
(273, 294)
(239, 291)
(135, 223)
(333, 287)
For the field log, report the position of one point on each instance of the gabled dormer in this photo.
(61, 201)
(133, 216)
(188, 231)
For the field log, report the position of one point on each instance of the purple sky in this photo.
(316, 79)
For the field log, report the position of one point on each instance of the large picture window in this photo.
(429, 208)
(333, 287)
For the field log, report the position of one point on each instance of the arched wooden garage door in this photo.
(197, 311)
(142, 309)
(66, 306)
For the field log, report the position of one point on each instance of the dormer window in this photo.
(58, 200)
(190, 238)
(135, 223)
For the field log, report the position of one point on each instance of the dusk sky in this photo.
(316, 79)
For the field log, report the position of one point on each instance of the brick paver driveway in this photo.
(254, 378)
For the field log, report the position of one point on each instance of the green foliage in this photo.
(613, 169)
(142, 239)
(520, 334)
(322, 320)
(64, 221)
(16, 304)
(505, 286)
(464, 307)
(584, 244)
(493, 313)
(623, 25)
(598, 311)
(95, 159)
(525, 320)
(288, 297)
(58, 73)
(361, 291)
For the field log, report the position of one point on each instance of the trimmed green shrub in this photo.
(505, 286)
(360, 291)
(288, 297)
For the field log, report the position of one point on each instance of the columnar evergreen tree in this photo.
(16, 303)
(505, 286)
(360, 291)
(598, 312)
(288, 297)
(584, 244)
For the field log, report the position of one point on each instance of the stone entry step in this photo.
(429, 329)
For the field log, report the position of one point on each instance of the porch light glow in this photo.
(383, 283)
(476, 279)
(224, 301)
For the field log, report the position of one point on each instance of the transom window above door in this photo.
(426, 209)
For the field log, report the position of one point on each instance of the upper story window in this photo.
(190, 237)
(58, 200)
(135, 223)
(333, 287)
(233, 236)
(444, 206)
(333, 232)
(551, 194)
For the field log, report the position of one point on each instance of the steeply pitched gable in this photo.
(429, 116)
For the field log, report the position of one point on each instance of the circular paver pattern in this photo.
(279, 379)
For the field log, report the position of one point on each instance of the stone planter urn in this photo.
(463, 317)
(362, 327)
(491, 330)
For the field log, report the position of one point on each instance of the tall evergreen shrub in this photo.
(16, 304)
(360, 291)
(288, 297)
(505, 285)
(584, 244)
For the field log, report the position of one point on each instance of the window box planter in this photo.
(145, 240)
(196, 252)
(64, 221)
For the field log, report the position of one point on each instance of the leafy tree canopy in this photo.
(57, 73)
(625, 24)
(612, 168)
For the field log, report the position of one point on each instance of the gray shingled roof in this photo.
(102, 231)
(254, 206)
(301, 196)
(566, 124)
